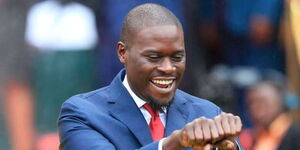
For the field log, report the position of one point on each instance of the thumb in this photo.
(208, 147)
(225, 145)
(203, 147)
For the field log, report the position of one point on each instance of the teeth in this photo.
(163, 82)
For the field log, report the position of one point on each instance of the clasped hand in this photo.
(205, 134)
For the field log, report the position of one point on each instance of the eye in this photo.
(177, 57)
(153, 57)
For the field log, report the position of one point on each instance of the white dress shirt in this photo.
(139, 102)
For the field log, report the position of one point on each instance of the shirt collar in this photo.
(139, 102)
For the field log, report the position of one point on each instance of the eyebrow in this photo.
(180, 50)
(157, 51)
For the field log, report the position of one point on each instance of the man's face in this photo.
(155, 63)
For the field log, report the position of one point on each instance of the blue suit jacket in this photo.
(108, 119)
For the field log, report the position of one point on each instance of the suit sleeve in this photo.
(75, 134)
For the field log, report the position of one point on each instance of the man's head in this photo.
(264, 102)
(152, 49)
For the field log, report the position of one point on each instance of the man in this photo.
(142, 104)
(109, 22)
(272, 127)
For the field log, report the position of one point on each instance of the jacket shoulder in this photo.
(201, 106)
(87, 102)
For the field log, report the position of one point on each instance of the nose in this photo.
(166, 66)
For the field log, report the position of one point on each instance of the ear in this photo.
(121, 52)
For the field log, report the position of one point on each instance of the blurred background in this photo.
(243, 55)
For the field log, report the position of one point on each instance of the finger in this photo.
(206, 130)
(189, 129)
(208, 147)
(203, 147)
(225, 124)
(184, 139)
(198, 133)
(231, 120)
(238, 124)
(213, 131)
(219, 125)
(225, 145)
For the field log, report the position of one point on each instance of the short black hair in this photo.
(144, 16)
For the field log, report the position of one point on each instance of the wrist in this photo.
(172, 142)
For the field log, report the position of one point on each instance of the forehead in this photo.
(159, 30)
(163, 34)
(169, 31)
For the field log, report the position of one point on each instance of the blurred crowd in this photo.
(243, 55)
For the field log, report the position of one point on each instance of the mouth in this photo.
(163, 83)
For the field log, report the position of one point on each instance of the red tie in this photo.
(157, 128)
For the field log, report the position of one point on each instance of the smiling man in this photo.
(142, 107)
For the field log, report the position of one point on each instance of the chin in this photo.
(158, 104)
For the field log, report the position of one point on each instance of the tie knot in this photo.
(152, 112)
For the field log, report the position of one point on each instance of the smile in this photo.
(162, 83)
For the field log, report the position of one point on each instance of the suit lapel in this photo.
(177, 115)
(123, 108)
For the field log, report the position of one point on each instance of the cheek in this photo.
(181, 66)
(141, 73)
(180, 70)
